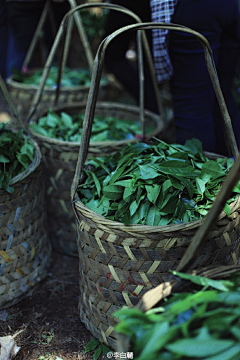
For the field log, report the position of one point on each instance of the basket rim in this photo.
(32, 167)
(100, 144)
(21, 86)
(77, 203)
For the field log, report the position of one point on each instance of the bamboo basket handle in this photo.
(83, 37)
(12, 106)
(62, 32)
(153, 296)
(36, 34)
(78, 21)
(97, 68)
(140, 60)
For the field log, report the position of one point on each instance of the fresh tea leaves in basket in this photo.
(70, 77)
(69, 128)
(155, 184)
(201, 323)
(16, 154)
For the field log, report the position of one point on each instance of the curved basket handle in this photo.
(96, 74)
(39, 27)
(12, 106)
(47, 10)
(140, 60)
(62, 32)
(83, 37)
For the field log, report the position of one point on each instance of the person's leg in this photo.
(192, 90)
(226, 67)
(23, 18)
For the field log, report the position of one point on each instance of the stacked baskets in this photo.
(60, 158)
(120, 263)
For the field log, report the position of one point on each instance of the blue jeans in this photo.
(196, 111)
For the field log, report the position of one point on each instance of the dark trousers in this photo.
(3, 38)
(115, 59)
(196, 110)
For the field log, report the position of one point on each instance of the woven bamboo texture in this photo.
(119, 263)
(176, 285)
(154, 296)
(60, 158)
(23, 95)
(24, 242)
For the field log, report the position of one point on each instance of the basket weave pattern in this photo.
(24, 247)
(60, 158)
(119, 263)
(23, 95)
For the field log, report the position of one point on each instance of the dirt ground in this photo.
(49, 319)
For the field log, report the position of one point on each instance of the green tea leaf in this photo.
(91, 345)
(195, 145)
(133, 207)
(153, 216)
(203, 281)
(213, 169)
(177, 168)
(52, 119)
(4, 159)
(147, 172)
(153, 192)
(66, 119)
(113, 192)
(200, 186)
(199, 348)
(229, 354)
(97, 353)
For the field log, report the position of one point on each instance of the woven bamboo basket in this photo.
(119, 263)
(60, 157)
(24, 95)
(24, 242)
(155, 296)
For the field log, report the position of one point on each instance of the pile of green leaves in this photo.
(16, 154)
(69, 128)
(155, 184)
(70, 77)
(201, 324)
